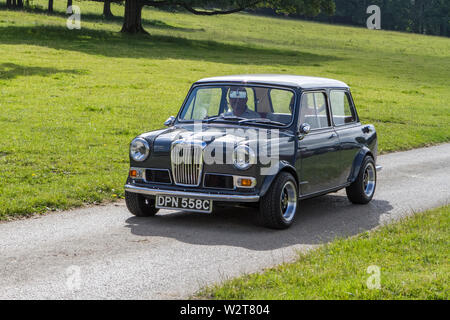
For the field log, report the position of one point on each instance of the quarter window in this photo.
(314, 110)
(341, 108)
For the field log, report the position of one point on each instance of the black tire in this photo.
(140, 205)
(358, 192)
(271, 207)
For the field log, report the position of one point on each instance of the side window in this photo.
(313, 110)
(341, 108)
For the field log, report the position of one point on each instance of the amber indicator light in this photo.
(245, 182)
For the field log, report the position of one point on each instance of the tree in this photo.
(420, 16)
(107, 9)
(50, 6)
(133, 8)
(14, 4)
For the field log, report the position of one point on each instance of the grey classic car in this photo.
(266, 141)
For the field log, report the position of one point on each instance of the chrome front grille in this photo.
(187, 162)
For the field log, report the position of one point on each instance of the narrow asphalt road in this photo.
(103, 252)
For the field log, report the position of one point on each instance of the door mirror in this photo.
(170, 121)
(305, 128)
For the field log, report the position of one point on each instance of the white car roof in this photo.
(279, 79)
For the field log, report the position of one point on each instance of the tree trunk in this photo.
(14, 3)
(107, 9)
(20, 4)
(8, 3)
(132, 22)
(69, 3)
(50, 5)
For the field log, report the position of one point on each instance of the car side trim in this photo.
(323, 192)
(198, 195)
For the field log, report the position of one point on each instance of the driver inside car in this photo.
(238, 102)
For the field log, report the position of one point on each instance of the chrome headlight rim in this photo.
(139, 149)
(237, 157)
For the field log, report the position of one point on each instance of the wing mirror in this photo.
(170, 121)
(305, 128)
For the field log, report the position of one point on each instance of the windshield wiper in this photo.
(222, 117)
(210, 119)
(263, 120)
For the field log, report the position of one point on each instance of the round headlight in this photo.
(139, 149)
(243, 157)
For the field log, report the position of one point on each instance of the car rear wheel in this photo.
(140, 205)
(277, 208)
(361, 191)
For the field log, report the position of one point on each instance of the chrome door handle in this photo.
(333, 135)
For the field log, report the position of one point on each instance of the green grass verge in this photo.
(413, 257)
(71, 101)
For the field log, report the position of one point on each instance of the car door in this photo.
(348, 128)
(317, 155)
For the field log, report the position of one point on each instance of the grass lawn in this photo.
(412, 256)
(72, 100)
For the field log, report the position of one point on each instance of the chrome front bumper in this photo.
(197, 195)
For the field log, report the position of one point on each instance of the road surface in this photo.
(102, 252)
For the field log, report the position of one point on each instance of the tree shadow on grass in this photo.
(92, 17)
(11, 71)
(116, 44)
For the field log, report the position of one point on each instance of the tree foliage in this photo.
(205, 7)
(132, 18)
(420, 16)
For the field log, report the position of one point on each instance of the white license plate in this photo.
(181, 203)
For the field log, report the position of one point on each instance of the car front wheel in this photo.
(361, 190)
(277, 208)
(139, 205)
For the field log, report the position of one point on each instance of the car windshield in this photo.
(243, 104)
